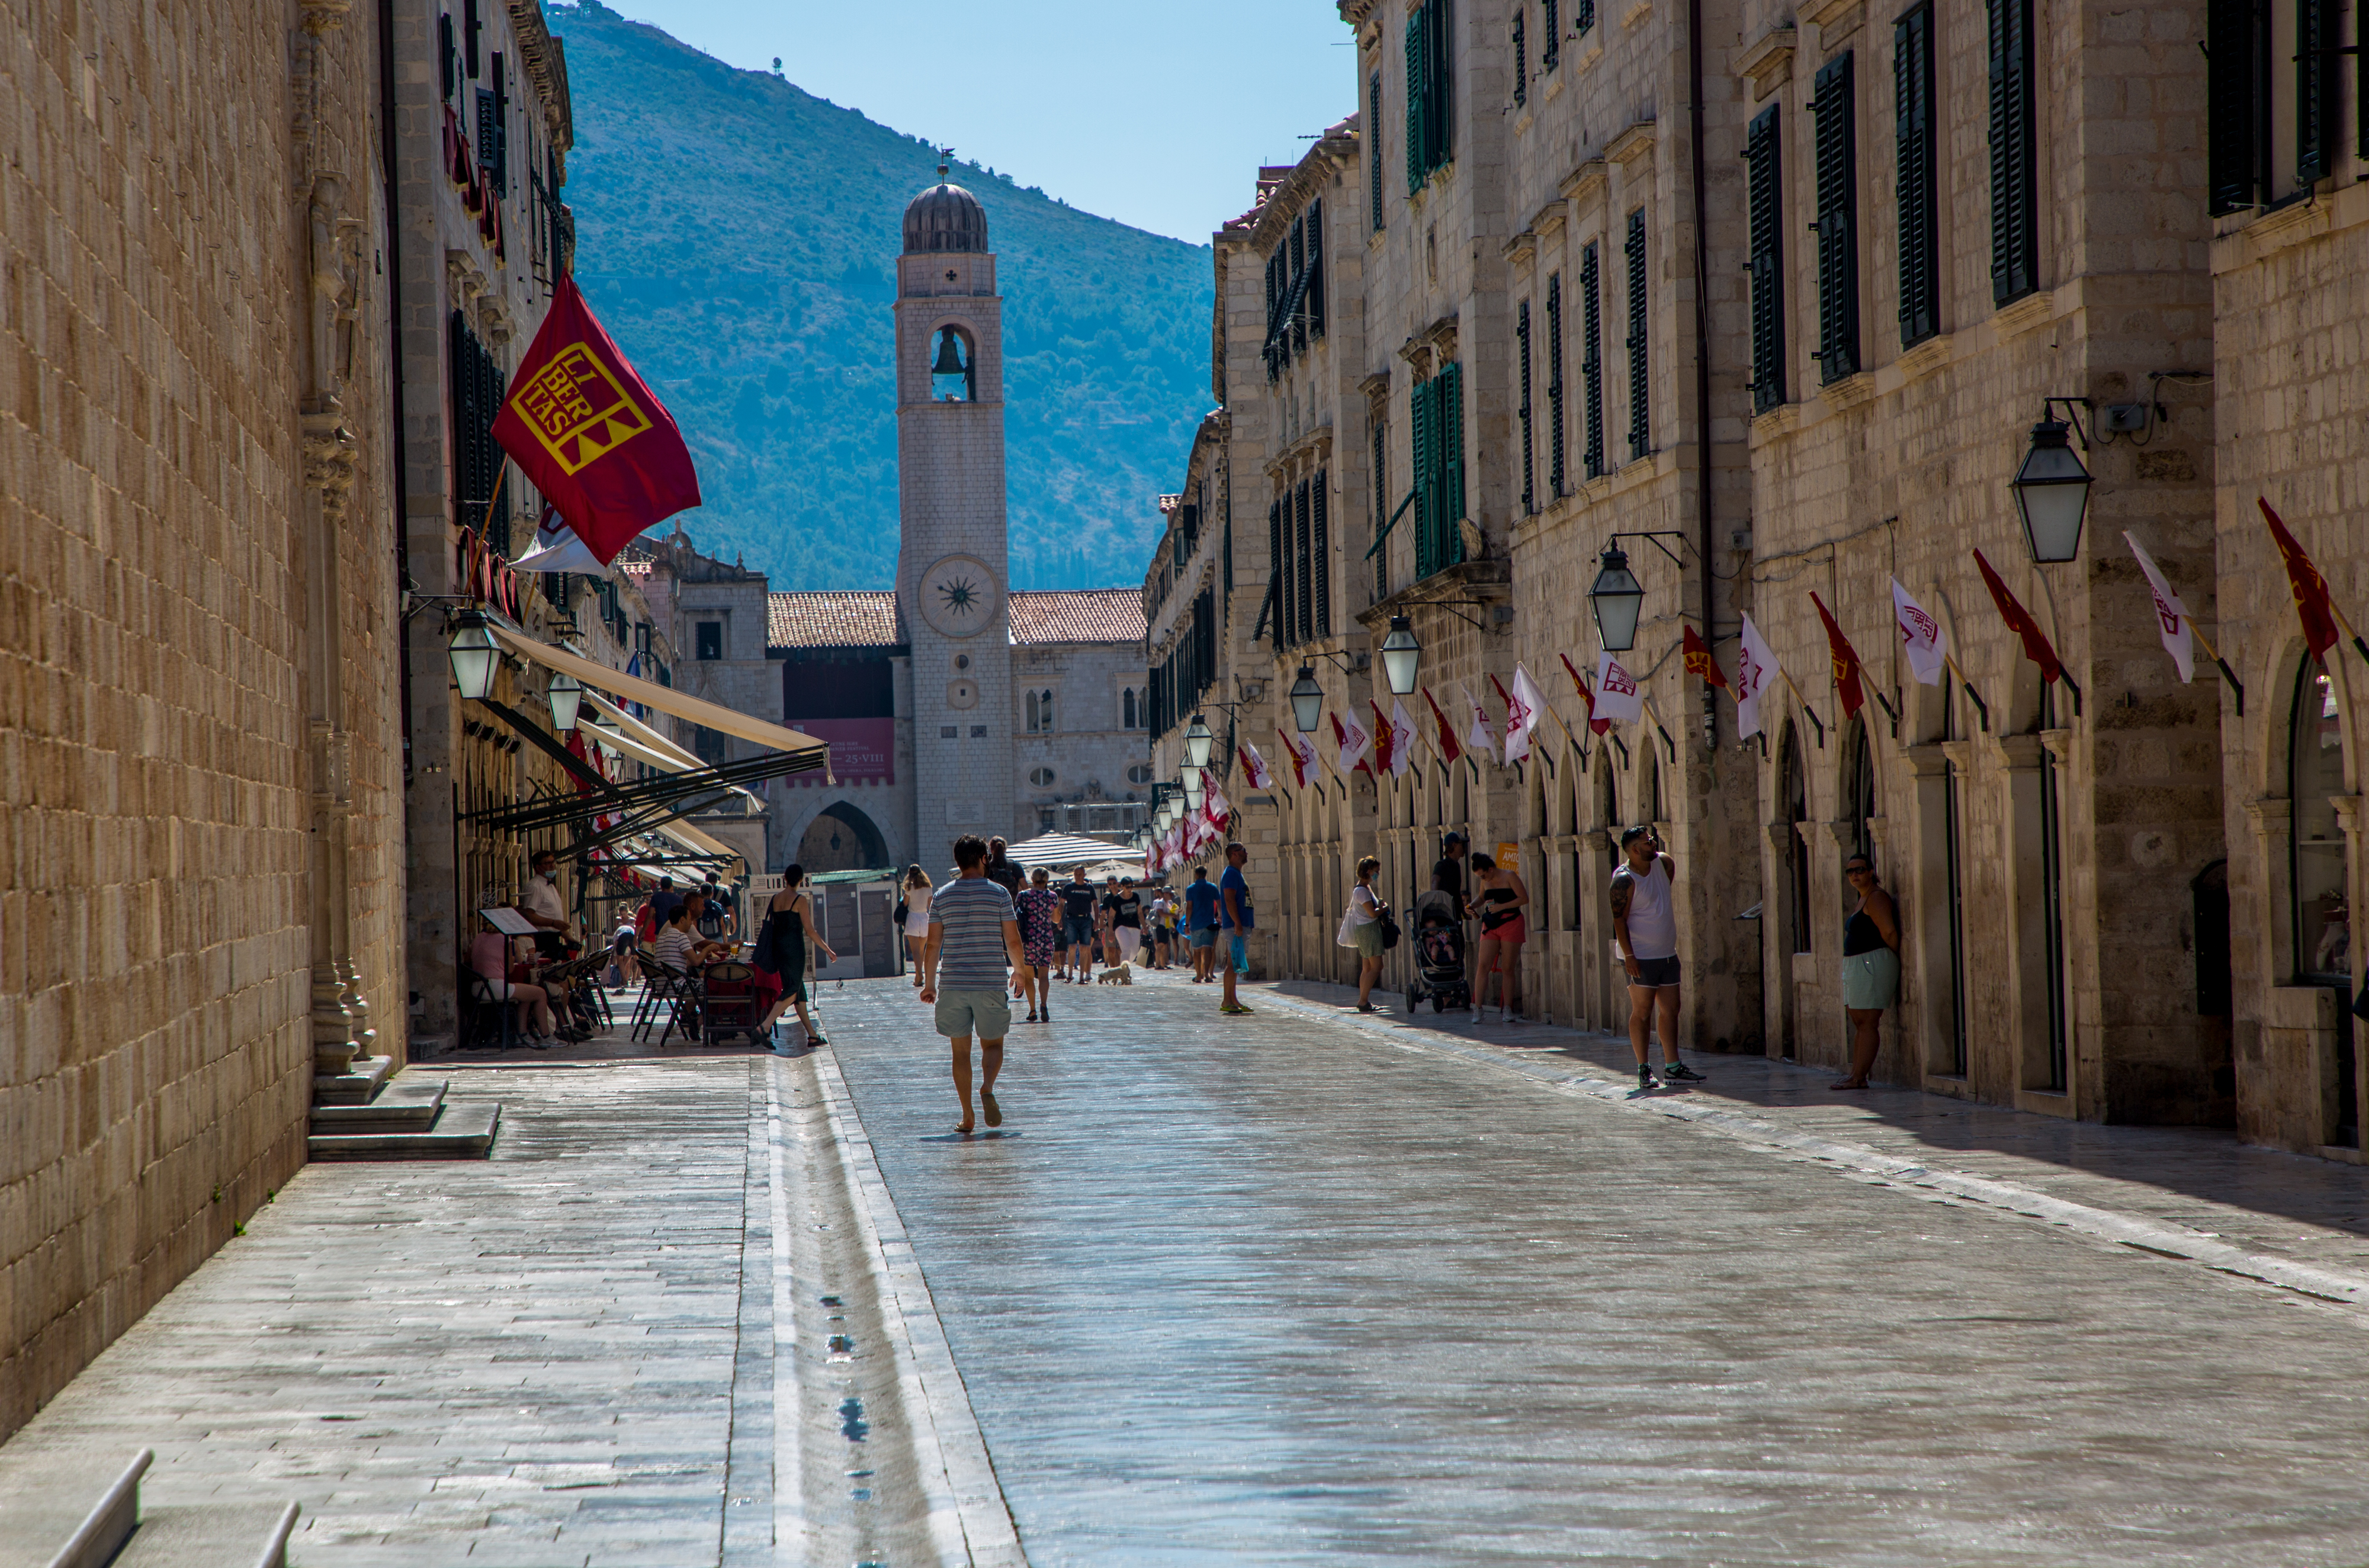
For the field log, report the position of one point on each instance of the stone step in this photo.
(68, 1508)
(356, 1086)
(210, 1535)
(409, 1103)
(461, 1132)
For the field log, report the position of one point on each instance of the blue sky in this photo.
(1157, 116)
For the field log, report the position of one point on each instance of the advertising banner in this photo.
(862, 751)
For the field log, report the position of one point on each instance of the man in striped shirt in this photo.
(974, 943)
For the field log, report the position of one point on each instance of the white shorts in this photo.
(917, 926)
(1130, 943)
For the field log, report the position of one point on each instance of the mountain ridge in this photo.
(738, 235)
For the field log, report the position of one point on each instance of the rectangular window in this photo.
(1298, 244)
(1429, 97)
(1591, 362)
(1439, 410)
(477, 392)
(1312, 304)
(1550, 34)
(470, 25)
(2234, 73)
(1275, 571)
(1556, 485)
(1381, 508)
(490, 135)
(2015, 192)
(1521, 63)
(709, 639)
(1838, 224)
(1374, 150)
(1912, 102)
(1522, 408)
(1641, 433)
(448, 59)
(1320, 576)
(1582, 15)
(1765, 261)
(2315, 111)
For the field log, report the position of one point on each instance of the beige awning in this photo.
(627, 746)
(666, 698)
(692, 838)
(663, 752)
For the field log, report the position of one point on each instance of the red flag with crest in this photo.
(1846, 658)
(2312, 605)
(591, 434)
(2018, 620)
(1448, 749)
(1699, 662)
(1586, 696)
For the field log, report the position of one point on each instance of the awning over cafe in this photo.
(632, 688)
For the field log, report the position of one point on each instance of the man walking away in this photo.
(1234, 919)
(1645, 925)
(1078, 904)
(974, 944)
(1201, 902)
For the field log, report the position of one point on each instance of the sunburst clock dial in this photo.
(959, 596)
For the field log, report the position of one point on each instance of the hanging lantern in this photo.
(1307, 700)
(566, 696)
(2052, 493)
(475, 659)
(1401, 655)
(1617, 597)
(1197, 741)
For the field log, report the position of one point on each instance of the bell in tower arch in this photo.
(952, 378)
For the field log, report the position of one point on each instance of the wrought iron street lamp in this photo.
(1307, 700)
(1617, 597)
(1197, 741)
(1193, 789)
(567, 697)
(1400, 657)
(475, 659)
(2051, 491)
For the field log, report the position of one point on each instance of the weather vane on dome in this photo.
(946, 161)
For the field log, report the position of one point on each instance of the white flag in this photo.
(1402, 741)
(1522, 707)
(2171, 615)
(1355, 744)
(1254, 767)
(1756, 671)
(557, 549)
(1921, 637)
(1478, 735)
(1215, 806)
(1617, 696)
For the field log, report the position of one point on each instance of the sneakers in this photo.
(1679, 1072)
(1645, 1079)
(1476, 1016)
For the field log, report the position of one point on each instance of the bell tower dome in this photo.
(952, 556)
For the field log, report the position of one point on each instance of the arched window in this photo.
(1127, 715)
(1040, 713)
(1794, 783)
(2323, 924)
(953, 368)
(1862, 792)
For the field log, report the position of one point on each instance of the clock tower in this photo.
(952, 555)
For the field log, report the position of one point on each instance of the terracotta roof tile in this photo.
(1084, 615)
(860, 619)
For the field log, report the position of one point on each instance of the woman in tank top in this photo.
(916, 905)
(789, 925)
(1870, 965)
(1499, 897)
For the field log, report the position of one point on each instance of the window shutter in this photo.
(1451, 468)
(1551, 46)
(1641, 433)
(1303, 566)
(1591, 359)
(1582, 15)
(1315, 305)
(1418, 41)
(1374, 149)
(1555, 478)
(1838, 224)
(1522, 409)
(1381, 507)
(2312, 109)
(1275, 566)
(1521, 63)
(1320, 575)
(2234, 107)
(1764, 170)
(1912, 100)
(1420, 403)
(448, 60)
(2015, 249)
(1440, 119)
(1298, 302)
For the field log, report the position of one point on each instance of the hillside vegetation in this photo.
(738, 238)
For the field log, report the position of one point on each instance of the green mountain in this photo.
(738, 238)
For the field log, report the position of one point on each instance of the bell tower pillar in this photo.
(953, 555)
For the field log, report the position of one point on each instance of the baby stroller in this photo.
(1439, 955)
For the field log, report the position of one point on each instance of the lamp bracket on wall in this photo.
(1655, 535)
(2050, 404)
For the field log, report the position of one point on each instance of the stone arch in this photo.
(840, 837)
(1793, 881)
(1858, 794)
(954, 363)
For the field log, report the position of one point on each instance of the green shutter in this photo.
(2232, 75)
(1555, 486)
(1418, 82)
(1450, 412)
(1641, 389)
(1838, 224)
(1321, 564)
(1912, 101)
(2015, 250)
(1591, 359)
(2313, 112)
(1764, 262)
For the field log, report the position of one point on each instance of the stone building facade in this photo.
(204, 884)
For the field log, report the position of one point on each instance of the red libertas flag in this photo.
(1845, 659)
(1699, 661)
(2018, 620)
(591, 434)
(2312, 606)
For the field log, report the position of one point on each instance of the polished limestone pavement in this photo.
(1284, 1289)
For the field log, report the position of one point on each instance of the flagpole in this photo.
(1654, 713)
(1783, 675)
(2227, 673)
(2361, 647)
(1978, 696)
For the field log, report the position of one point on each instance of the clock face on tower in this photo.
(960, 597)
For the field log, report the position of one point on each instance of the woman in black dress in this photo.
(781, 945)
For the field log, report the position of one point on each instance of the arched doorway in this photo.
(841, 838)
(2321, 915)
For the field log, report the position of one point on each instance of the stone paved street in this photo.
(1297, 1288)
